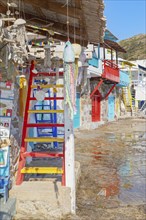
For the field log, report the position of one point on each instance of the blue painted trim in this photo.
(109, 36)
(5, 116)
(55, 121)
(6, 99)
(94, 62)
(111, 107)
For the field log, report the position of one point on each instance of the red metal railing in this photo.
(111, 71)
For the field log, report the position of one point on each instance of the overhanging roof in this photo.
(109, 36)
(113, 45)
(86, 20)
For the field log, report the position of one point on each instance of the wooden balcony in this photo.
(111, 71)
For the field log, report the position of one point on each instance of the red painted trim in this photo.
(111, 71)
(48, 98)
(22, 160)
(44, 125)
(111, 89)
(46, 74)
(96, 88)
(23, 153)
(111, 64)
(96, 107)
(42, 154)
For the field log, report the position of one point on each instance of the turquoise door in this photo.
(111, 107)
(77, 115)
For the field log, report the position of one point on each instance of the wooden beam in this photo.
(39, 20)
(55, 7)
(96, 88)
(39, 125)
(58, 27)
(42, 170)
(69, 152)
(77, 3)
(3, 8)
(111, 89)
(44, 139)
(45, 111)
(42, 154)
(60, 37)
(83, 32)
(48, 86)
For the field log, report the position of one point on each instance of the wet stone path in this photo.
(113, 171)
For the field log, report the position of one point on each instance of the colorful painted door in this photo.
(77, 115)
(111, 107)
(96, 108)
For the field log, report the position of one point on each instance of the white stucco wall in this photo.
(140, 93)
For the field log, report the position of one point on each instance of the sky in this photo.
(125, 18)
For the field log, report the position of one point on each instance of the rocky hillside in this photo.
(135, 47)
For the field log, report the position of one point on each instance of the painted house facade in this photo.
(105, 81)
(99, 82)
(139, 82)
(134, 96)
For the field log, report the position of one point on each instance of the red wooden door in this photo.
(96, 108)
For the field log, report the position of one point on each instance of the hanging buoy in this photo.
(68, 55)
(77, 50)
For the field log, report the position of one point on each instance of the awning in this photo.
(113, 45)
(85, 18)
(142, 68)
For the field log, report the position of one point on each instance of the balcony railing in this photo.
(111, 71)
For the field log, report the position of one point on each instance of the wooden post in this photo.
(103, 51)
(69, 155)
(111, 57)
(116, 57)
(98, 50)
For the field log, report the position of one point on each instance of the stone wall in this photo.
(86, 105)
(86, 109)
(103, 89)
(104, 110)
